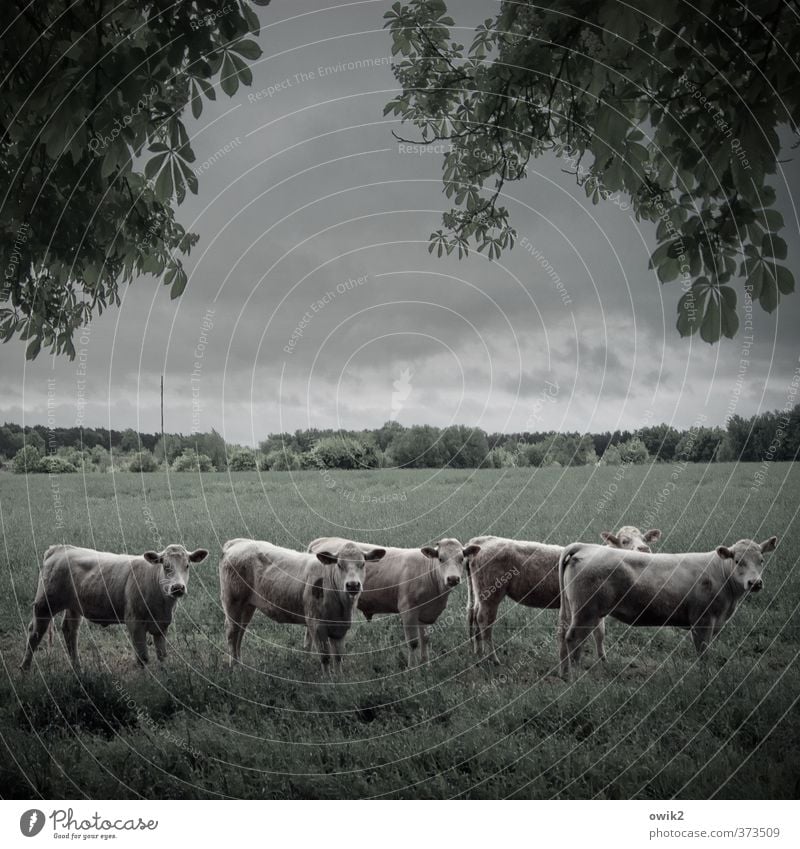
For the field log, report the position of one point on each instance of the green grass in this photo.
(653, 724)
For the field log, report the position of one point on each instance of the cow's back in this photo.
(89, 581)
(525, 571)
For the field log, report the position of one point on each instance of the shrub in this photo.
(143, 461)
(191, 461)
(27, 460)
(55, 465)
(633, 451)
(344, 452)
(611, 456)
(242, 460)
(281, 461)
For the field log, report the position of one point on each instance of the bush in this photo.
(344, 452)
(611, 456)
(281, 461)
(27, 460)
(242, 460)
(633, 451)
(143, 461)
(55, 465)
(191, 461)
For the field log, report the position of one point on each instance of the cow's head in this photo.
(173, 563)
(348, 576)
(748, 562)
(631, 538)
(449, 555)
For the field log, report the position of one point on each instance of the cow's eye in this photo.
(625, 541)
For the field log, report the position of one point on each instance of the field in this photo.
(654, 723)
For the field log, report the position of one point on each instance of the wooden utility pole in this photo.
(163, 438)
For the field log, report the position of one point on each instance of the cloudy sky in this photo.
(313, 300)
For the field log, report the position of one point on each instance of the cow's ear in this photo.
(326, 557)
(430, 551)
(198, 555)
(375, 554)
(611, 539)
(652, 535)
(471, 550)
(152, 557)
(769, 545)
(724, 552)
(316, 589)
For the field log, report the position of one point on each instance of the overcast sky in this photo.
(314, 192)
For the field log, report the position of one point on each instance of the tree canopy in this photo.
(675, 109)
(94, 151)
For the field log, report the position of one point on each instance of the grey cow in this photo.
(698, 591)
(110, 589)
(317, 590)
(412, 582)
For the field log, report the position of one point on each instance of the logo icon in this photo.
(31, 822)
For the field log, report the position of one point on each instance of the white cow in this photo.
(110, 589)
(412, 582)
(698, 591)
(317, 590)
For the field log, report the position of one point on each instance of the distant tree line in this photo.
(767, 436)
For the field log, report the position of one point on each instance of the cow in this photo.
(412, 582)
(139, 591)
(526, 572)
(698, 591)
(317, 590)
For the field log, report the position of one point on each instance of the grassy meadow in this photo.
(654, 723)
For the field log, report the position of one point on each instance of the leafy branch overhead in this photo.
(676, 109)
(95, 153)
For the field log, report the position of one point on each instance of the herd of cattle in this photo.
(322, 587)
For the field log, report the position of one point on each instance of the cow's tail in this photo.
(471, 599)
(564, 611)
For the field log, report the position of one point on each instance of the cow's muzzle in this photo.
(755, 586)
(353, 587)
(177, 590)
(452, 580)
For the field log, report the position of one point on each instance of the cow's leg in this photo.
(70, 628)
(42, 616)
(160, 642)
(578, 633)
(424, 640)
(486, 616)
(236, 621)
(138, 634)
(323, 646)
(337, 653)
(308, 640)
(411, 631)
(564, 621)
(599, 639)
(702, 634)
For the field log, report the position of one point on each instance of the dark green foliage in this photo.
(95, 151)
(674, 109)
